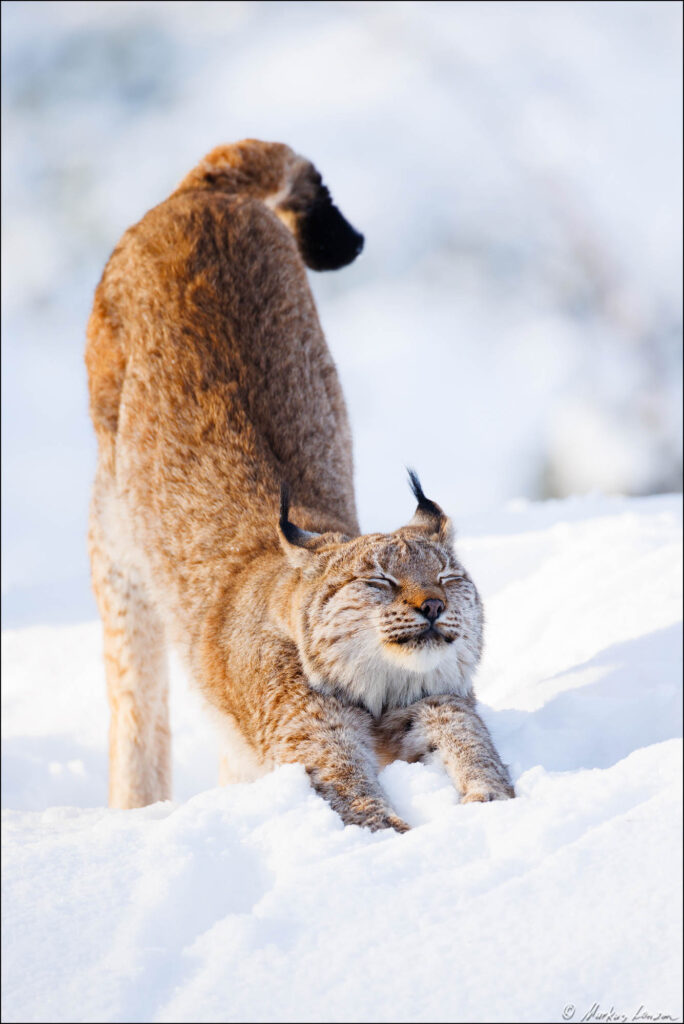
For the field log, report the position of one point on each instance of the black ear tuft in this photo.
(291, 533)
(284, 504)
(326, 238)
(429, 517)
(426, 506)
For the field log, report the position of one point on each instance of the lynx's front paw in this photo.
(483, 792)
(373, 815)
(376, 822)
(392, 821)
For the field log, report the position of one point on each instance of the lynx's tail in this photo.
(294, 190)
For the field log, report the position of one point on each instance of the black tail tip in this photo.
(327, 239)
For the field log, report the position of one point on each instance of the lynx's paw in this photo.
(483, 792)
(373, 815)
(376, 822)
(392, 821)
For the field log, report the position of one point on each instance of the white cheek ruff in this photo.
(371, 673)
(350, 656)
(416, 659)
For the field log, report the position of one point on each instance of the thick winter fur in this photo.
(210, 385)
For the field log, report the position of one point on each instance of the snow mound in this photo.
(254, 902)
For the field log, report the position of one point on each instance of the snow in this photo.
(253, 902)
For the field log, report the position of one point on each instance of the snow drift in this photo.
(254, 903)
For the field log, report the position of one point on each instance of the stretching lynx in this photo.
(211, 385)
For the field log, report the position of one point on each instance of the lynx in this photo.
(223, 516)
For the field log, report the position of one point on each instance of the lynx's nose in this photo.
(432, 609)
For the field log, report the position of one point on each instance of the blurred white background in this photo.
(513, 327)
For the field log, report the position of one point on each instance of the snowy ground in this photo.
(254, 903)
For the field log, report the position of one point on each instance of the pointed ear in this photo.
(299, 545)
(429, 517)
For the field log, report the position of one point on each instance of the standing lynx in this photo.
(211, 385)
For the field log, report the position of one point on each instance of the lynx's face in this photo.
(422, 599)
(387, 618)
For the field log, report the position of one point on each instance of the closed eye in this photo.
(452, 577)
(379, 581)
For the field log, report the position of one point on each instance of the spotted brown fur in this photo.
(210, 385)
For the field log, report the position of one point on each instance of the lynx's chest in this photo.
(380, 684)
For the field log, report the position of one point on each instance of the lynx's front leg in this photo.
(287, 722)
(334, 743)
(451, 727)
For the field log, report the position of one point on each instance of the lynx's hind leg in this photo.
(137, 680)
(451, 727)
